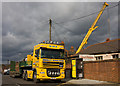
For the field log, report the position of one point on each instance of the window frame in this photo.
(115, 56)
(98, 58)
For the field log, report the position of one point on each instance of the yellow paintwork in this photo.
(29, 58)
(35, 63)
(30, 74)
(28, 62)
(38, 62)
(93, 27)
(42, 74)
(74, 68)
(50, 46)
(51, 64)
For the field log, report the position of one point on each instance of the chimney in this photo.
(72, 49)
(108, 39)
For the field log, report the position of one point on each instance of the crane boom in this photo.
(92, 28)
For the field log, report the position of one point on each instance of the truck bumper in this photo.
(51, 78)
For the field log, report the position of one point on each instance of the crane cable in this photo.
(86, 15)
(90, 15)
(55, 32)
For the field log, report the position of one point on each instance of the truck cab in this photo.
(47, 62)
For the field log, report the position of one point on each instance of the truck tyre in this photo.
(26, 77)
(13, 76)
(35, 78)
(23, 75)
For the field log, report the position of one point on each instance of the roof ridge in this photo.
(99, 43)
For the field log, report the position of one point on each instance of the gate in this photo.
(77, 68)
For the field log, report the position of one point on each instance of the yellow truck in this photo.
(46, 63)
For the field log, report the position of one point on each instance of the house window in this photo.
(99, 58)
(115, 56)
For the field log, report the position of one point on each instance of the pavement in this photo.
(87, 81)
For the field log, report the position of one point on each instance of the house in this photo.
(101, 61)
(110, 49)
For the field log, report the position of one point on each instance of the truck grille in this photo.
(53, 72)
(52, 65)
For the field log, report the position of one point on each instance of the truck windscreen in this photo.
(52, 53)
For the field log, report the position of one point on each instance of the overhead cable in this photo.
(86, 15)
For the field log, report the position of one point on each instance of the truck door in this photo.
(36, 59)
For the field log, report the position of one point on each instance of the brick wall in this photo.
(68, 64)
(107, 70)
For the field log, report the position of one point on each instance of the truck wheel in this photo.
(35, 78)
(23, 76)
(26, 77)
(13, 76)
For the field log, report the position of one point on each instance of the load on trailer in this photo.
(46, 63)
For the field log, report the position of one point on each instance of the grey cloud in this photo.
(25, 24)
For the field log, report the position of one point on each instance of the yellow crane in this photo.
(92, 28)
(76, 61)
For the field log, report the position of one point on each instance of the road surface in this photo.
(8, 81)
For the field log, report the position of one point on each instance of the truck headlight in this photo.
(52, 73)
(58, 73)
(49, 73)
(55, 73)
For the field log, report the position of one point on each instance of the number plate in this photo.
(53, 78)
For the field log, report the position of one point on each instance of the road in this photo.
(9, 81)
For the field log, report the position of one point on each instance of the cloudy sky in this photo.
(25, 24)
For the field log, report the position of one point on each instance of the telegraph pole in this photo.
(50, 24)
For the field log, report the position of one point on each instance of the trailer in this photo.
(16, 68)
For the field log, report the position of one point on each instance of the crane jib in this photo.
(93, 27)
